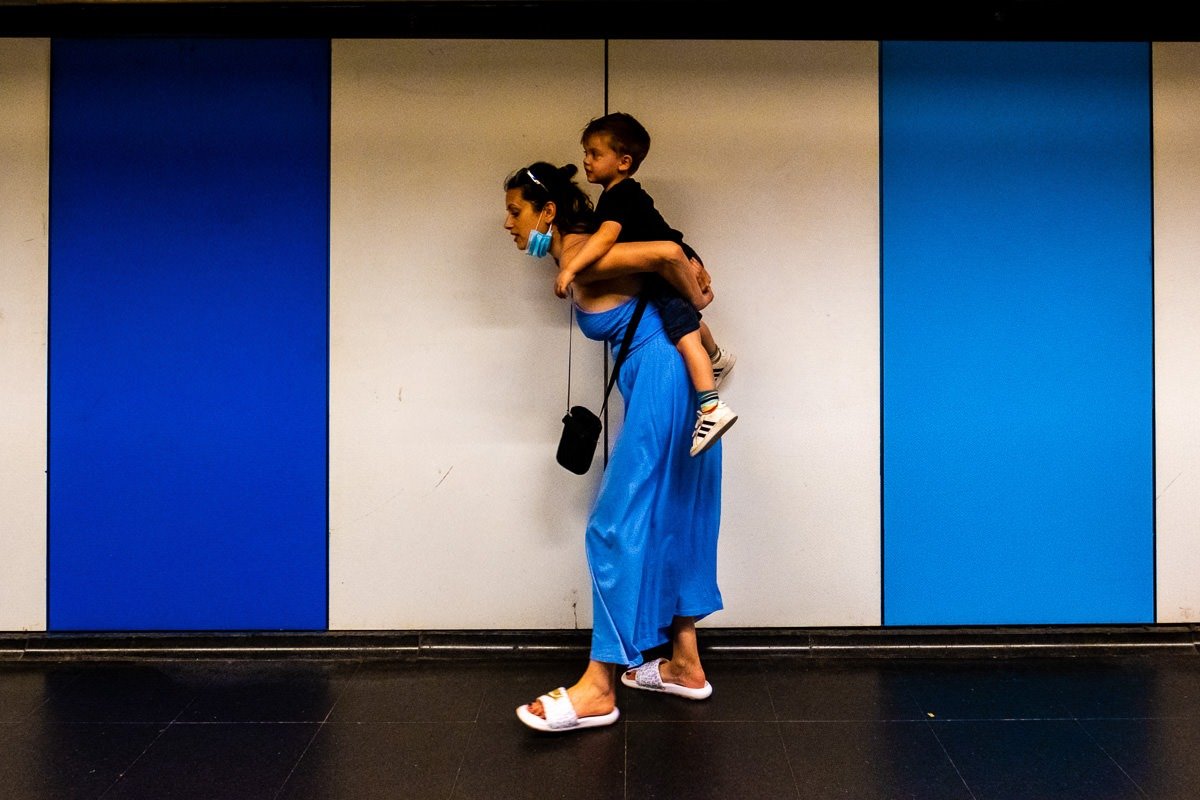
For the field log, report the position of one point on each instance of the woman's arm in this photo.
(664, 258)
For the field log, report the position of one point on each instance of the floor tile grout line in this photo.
(316, 733)
(462, 759)
(146, 749)
(299, 758)
(787, 756)
(929, 725)
(358, 664)
(625, 776)
(1116, 763)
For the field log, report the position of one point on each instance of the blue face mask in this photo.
(539, 243)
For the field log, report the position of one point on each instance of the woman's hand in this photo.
(704, 283)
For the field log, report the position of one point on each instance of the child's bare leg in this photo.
(699, 365)
(714, 417)
(706, 338)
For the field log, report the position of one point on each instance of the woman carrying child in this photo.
(651, 537)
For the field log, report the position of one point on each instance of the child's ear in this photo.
(625, 162)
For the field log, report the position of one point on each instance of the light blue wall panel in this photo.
(188, 334)
(1017, 333)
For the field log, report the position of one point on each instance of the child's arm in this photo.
(597, 245)
(665, 258)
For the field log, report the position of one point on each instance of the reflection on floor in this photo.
(1091, 727)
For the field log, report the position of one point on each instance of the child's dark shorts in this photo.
(679, 317)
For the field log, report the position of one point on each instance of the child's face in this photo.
(601, 164)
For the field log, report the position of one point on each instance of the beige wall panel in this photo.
(24, 244)
(448, 348)
(1177, 328)
(765, 154)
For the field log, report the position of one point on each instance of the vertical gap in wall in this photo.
(606, 76)
(1153, 355)
(879, 218)
(49, 300)
(328, 313)
(604, 350)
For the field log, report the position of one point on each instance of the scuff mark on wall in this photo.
(1168, 486)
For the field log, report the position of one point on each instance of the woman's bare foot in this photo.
(689, 674)
(592, 694)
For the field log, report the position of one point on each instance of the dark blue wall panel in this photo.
(1017, 333)
(188, 334)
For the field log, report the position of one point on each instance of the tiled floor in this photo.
(1095, 728)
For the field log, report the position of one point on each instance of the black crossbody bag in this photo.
(581, 428)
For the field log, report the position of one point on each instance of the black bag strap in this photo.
(633, 323)
(570, 341)
(629, 331)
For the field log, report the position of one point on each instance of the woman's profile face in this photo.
(520, 217)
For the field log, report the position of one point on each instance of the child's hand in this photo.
(563, 282)
(705, 281)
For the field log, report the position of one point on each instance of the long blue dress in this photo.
(652, 533)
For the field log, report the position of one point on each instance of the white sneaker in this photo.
(711, 426)
(722, 365)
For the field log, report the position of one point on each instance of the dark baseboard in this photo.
(874, 642)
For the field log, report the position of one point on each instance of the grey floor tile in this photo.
(699, 760)
(870, 760)
(988, 689)
(1158, 754)
(24, 687)
(269, 691)
(120, 692)
(218, 761)
(381, 761)
(400, 691)
(1003, 760)
(507, 760)
(841, 689)
(68, 761)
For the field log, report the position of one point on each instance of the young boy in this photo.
(614, 146)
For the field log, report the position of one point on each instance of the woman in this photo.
(652, 533)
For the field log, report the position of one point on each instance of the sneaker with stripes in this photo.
(710, 426)
(722, 365)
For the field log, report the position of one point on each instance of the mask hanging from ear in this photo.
(539, 243)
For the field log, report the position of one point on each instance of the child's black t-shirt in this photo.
(628, 204)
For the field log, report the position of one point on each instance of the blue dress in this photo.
(652, 533)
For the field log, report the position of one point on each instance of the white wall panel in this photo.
(448, 346)
(1176, 67)
(24, 210)
(765, 154)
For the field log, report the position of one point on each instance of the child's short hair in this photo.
(626, 136)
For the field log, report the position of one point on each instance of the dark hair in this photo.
(541, 182)
(626, 136)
